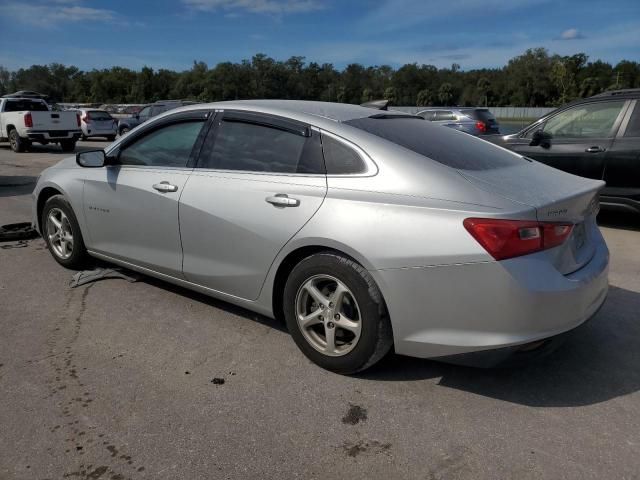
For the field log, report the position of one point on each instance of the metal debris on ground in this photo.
(88, 276)
(19, 244)
(17, 231)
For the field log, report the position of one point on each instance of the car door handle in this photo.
(165, 187)
(282, 200)
(595, 149)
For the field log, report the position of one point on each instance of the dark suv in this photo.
(596, 137)
(148, 111)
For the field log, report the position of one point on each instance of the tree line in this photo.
(534, 79)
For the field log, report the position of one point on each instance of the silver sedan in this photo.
(364, 230)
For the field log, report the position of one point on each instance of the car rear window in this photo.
(24, 105)
(446, 146)
(481, 114)
(99, 115)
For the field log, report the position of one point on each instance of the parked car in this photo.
(148, 111)
(596, 137)
(97, 123)
(27, 120)
(363, 229)
(476, 120)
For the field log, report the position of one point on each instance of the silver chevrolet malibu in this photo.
(365, 230)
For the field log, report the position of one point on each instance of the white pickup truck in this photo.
(27, 120)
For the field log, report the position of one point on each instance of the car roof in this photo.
(626, 93)
(337, 112)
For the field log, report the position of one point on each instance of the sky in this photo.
(173, 33)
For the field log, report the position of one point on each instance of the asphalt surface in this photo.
(144, 380)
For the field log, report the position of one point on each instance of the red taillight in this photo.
(28, 120)
(481, 126)
(504, 239)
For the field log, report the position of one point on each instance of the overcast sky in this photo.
(173, 33)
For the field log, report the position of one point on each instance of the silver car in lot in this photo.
(364, 230)
(97, 123)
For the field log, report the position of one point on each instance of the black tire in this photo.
(111, 138)
(18, 145)
(79, 256)
(68, 146)
(124, 130)
(376, 336)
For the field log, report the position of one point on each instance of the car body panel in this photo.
(128, 219)
(231, 235)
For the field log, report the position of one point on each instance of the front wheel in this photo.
(124, 131)
(61, 233)
(335, 313)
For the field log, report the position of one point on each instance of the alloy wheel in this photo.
(59, 233)
(328, 315)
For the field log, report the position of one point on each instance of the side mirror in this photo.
(541, 138)
(91, 159)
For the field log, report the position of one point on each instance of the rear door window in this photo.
(443, 115)
(257, 146)
(443, 145)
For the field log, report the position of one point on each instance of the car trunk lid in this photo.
(557, 197)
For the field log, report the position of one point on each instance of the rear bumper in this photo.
(450, 310)
(53, 135)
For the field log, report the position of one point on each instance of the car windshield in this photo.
(24, 105)
(445, 146)
(99, 115)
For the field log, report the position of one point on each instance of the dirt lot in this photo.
(115, 380)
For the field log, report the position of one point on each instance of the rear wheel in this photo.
(61, 233)
(68, 145)
(335, 313)
(18, 145)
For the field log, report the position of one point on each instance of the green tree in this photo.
(424, 98)
(390, 94)
(445, 93)
(484, 87)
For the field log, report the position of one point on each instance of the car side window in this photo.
(444, 115)
(168, 146)
(252, 147)
(145, 112)
(633, 127)
(428, 115)
(591, 120)
(158, 109)
(340, 159)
